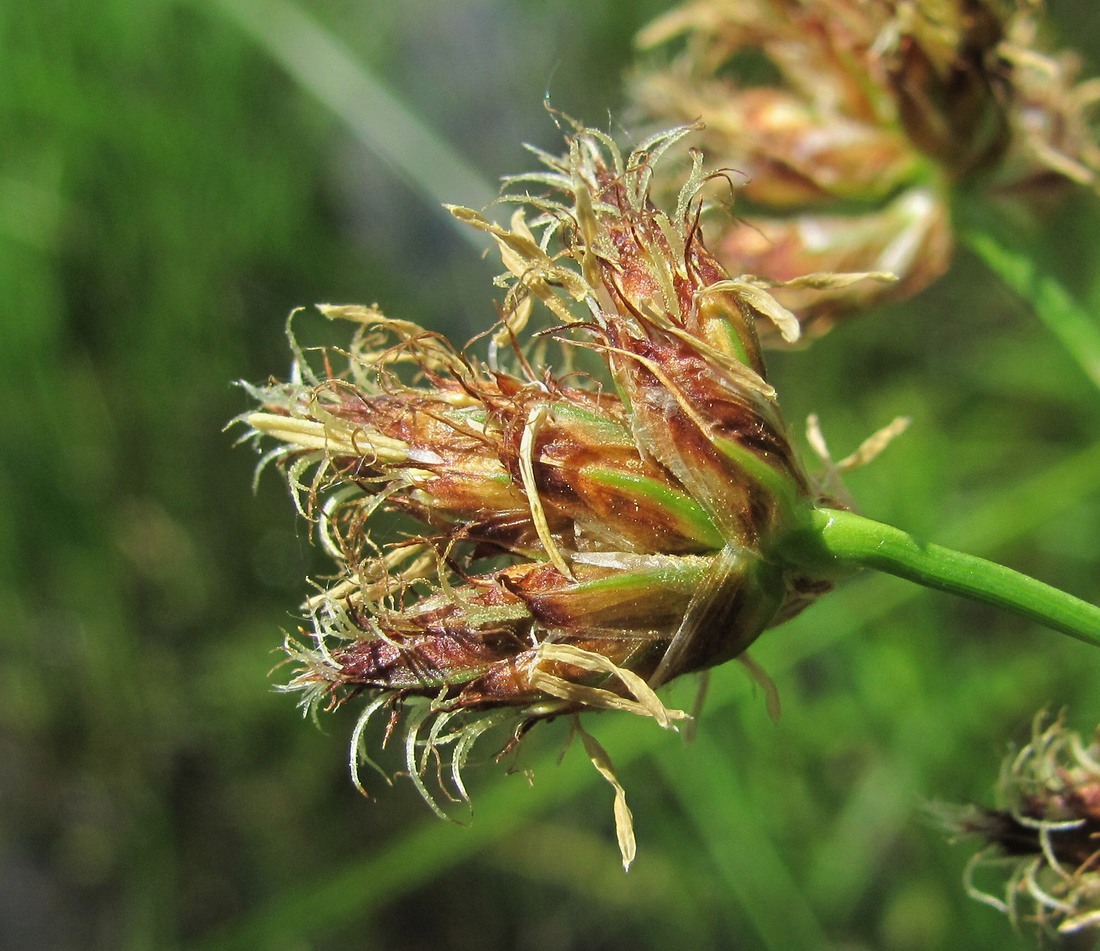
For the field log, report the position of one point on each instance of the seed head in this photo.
(1044, 837)
(854, 121)
(575, 536)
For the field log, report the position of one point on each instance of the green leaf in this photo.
(1077, 330)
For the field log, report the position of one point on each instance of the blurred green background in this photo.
(175, 177)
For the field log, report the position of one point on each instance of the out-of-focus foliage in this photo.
(167, 194)
(861, 128)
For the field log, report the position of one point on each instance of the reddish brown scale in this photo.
(559, 456)
(512, 419)
(702, 266)
(639, 654)
(435, 643)
(424, 663)
(556, 455)
(725, 630)
(712, 397)
(659, 608)
(491, 532)
(802, 591)
(464, 486)
(520, 581)
(506, 683)
(1086, 798)
(729, 414)
(634, 280)
(638, 240)
(507, 386)
(642, 522)
(566, 482)
(423, 424)
(558, 603)
(948, 111)
(694, 456)
(511, 532)
(558, 447)
(1074, 848)
(459, 495)
(635, 235)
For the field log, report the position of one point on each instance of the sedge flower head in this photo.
(585, 532)
(1043, 838)
(854, 120)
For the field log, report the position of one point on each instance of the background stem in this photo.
(1071, 324)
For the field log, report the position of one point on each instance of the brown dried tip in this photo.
(586, 532)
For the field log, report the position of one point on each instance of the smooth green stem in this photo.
(837, 540)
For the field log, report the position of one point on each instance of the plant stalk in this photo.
(838, 540)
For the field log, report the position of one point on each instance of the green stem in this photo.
(838, 540)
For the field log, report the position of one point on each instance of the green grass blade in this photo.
(329, 71)
(733, 830)
(1077, 330)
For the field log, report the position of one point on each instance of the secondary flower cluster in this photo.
(581, 536)
(1045, 837)
(855, 120)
